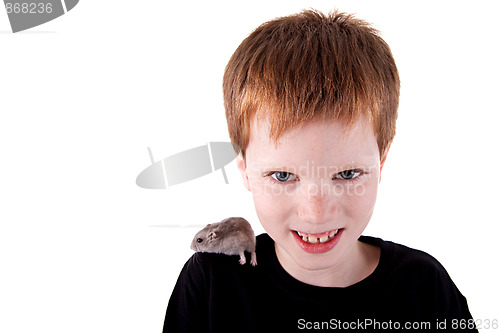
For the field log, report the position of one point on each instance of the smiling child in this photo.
(311, 103)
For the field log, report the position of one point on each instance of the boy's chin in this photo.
(315, 263)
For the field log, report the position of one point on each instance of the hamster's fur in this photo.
(231, 236)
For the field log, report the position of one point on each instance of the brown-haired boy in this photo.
(311, 101)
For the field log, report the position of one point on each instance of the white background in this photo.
(83, 249)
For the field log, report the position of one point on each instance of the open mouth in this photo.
(317, 238)
(317, 243)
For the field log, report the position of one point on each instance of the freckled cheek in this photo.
(362, 201)
(269, 202)
(272, 207)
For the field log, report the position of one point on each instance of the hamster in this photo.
(231, 236)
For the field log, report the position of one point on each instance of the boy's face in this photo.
(314, 191)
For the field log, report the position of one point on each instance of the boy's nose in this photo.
(316, 206)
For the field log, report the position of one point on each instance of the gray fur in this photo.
(231, 236)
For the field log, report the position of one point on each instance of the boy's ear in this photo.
(242, 166)
(382, 161)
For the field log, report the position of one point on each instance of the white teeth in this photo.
(323, 238)
(333, 233)
(315, 239)
(312, 239)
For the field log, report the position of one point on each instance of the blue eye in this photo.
(348, 174)
(283, 176)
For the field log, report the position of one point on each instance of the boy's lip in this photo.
(317, 243)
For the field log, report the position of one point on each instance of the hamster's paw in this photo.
(253, 260)
(243, 260)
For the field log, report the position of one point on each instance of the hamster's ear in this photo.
(242, 166)
(212, 235)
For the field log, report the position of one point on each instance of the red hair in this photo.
(311, 66)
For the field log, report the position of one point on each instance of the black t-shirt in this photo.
(409, 289)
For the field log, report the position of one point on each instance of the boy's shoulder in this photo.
(400, 256)
(204, 265)
(401, 264)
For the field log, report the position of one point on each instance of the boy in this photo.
(311, 103)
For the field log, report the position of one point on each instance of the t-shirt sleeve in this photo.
(187, 309)
(450, 303)
(431, 293)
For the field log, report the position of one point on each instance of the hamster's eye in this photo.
(199, 240)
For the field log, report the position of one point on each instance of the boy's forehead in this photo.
(322, 129)
(312, 139)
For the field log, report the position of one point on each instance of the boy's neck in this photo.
(362, 261)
